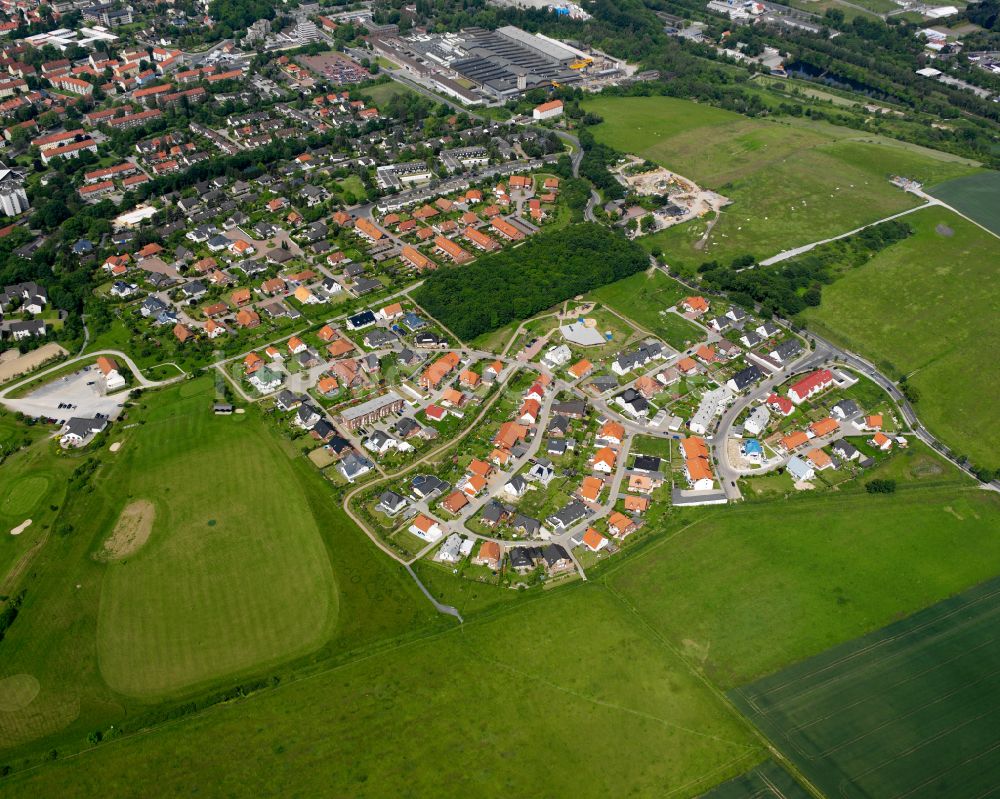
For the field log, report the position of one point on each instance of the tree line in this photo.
(518, 283)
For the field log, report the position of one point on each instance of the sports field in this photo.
(910, 710)
(571, 695)
(247, 566)
(747, 590)
(926, 307)
(791, 182)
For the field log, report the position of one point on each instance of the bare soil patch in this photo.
(131, 530)
(18, 365)
(944, 230)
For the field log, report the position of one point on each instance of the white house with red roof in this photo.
(810, 385)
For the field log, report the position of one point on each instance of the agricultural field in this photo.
(203, 551)
(977, 196)
(908, 710)
(791, 182)
(467, 712)
(823, 570)
(926, 307)
(767, 781)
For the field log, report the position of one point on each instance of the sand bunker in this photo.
(116, 446)
(131, 531)
(21, 527)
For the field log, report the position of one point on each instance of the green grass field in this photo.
(926, 307)
(383, 92)
(907, 711)
(977, 196)
(642, 297)
(791, 182)
(235, 573)
(751, 589)
(515, 704)
(251, 568)
(32, 486)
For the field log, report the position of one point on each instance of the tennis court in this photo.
(912, 710)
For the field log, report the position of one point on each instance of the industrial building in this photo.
(477, 65)
(509, 61)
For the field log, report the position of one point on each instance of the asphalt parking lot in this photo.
(79, 394)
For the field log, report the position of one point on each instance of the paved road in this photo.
(728, 474)
(783, 256)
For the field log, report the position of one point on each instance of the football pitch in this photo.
(911, 710)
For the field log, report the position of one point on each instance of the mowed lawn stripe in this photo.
(235, 574)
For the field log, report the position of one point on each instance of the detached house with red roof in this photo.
(810, 386)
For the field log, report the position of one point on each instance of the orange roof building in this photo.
(416, 259)
(437, 371)
(794, 440)
(604, 459)
(687, 366)
(694, 447)
(591, 489)
(824, 427)
(447, 247)
(506, 229)
(819, 459)
(581, 369)
(612, 431)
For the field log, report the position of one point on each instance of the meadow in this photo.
(380, 93)
(504, 704)
(909, 710)
(250, 569)
(642, 297)
(752, 588)
(791, 181)
(926, 307)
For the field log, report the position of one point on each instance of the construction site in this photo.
(685, 199)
